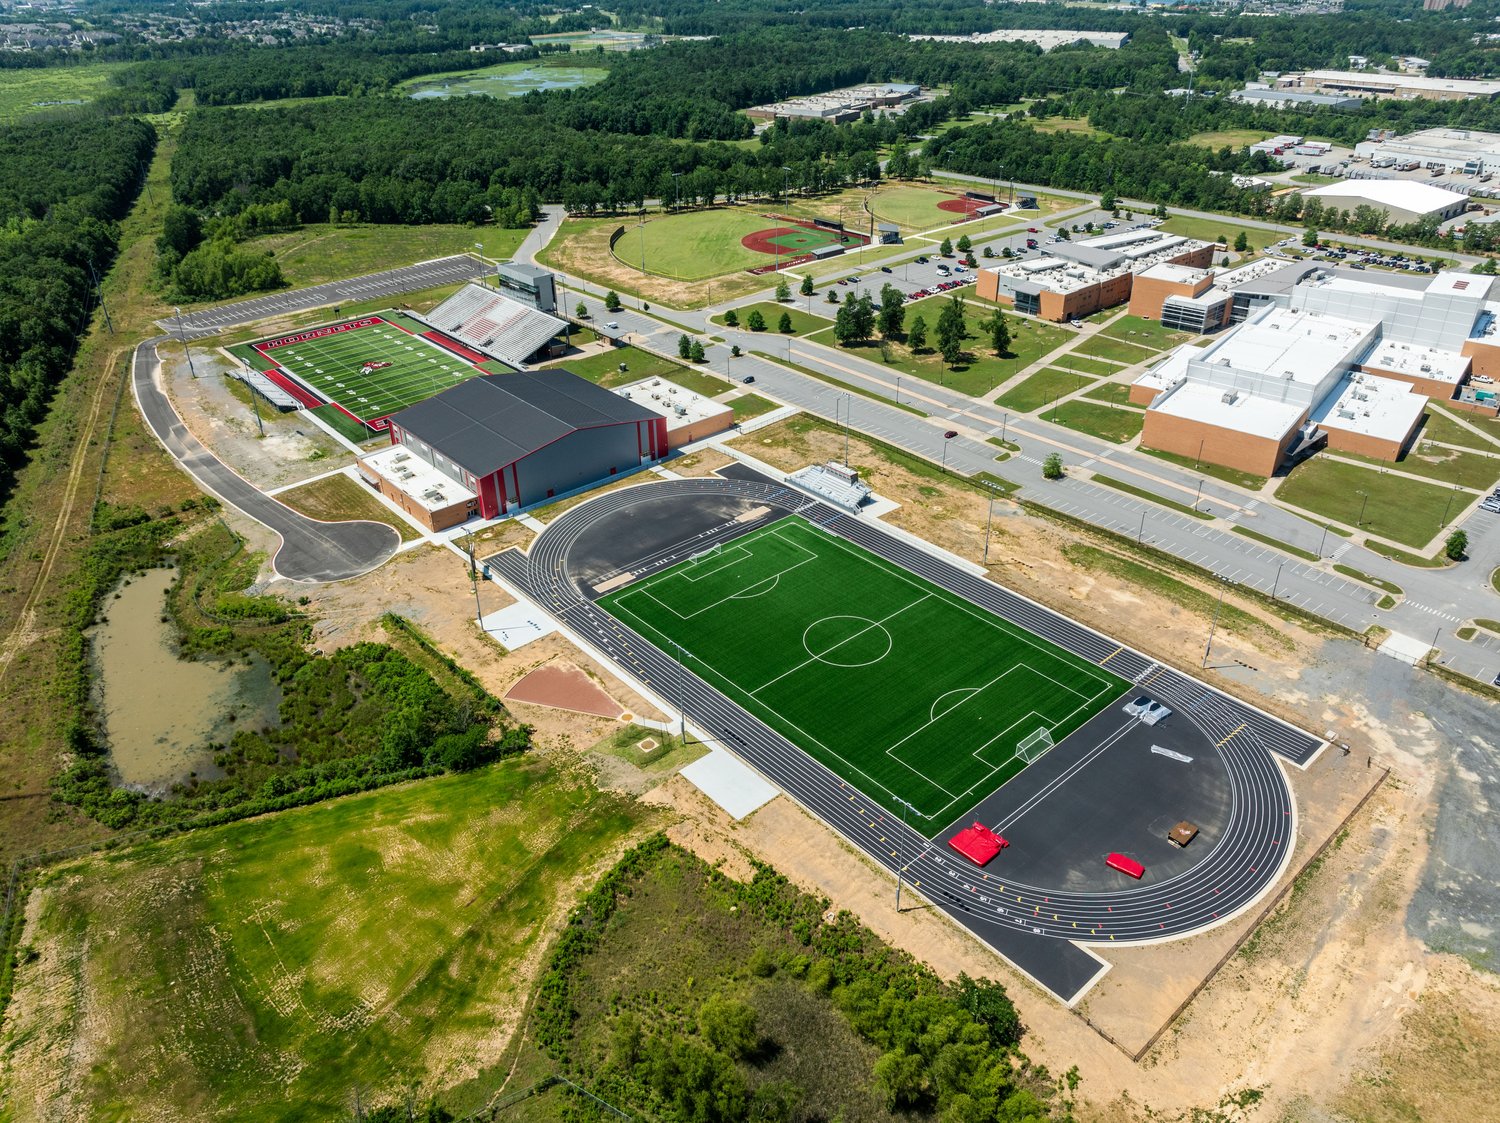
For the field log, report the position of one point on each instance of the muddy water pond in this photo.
(162, 713)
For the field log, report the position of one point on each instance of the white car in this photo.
(613, 326)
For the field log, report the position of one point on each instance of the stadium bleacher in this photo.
(494, 324)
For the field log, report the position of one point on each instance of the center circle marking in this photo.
(847, 641)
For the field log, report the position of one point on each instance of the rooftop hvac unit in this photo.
(400, 456)
(680, 411)
(1229, 397)
(671, 389)
(1426, 368)
(1346, 413)
(1361, 396)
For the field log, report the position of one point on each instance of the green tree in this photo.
(963, 244)
(784, 325)
(902, 1078)
(916, 335)
(755, 321)
(990, 1006)
(806, 288)
(734, 351)
(1108, 202)
(1309, 237)
(729, 1026)
(612, 301)
(892, 311)
(970, 260)
(1052, 467)
(181, 231)
(731, 319)
(1241, 242)
(864, 317)
(845, 330)
(583, 310)
(999, 332)
(833, 296)
(783, 290)
(1457, 545)
(695, 353)
(951, 330)
(946, 249)
(684, 346)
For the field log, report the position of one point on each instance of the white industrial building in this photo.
(1457, 151)
(1402, 200)
(1366, 83)
(1047, 40)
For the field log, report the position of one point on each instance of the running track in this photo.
(1036, 927)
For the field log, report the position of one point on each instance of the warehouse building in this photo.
(1402, 200)
(496, 443)
(1455, 151)
(1073, 279)
(1365, 83)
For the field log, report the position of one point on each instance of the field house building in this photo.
(1402, 200)
(1336, 357)
(1073, 279)
(498, 442)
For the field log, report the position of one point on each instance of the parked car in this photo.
(922, 260)
(612, 326)
(950, 434)
(885, 268)
(1135, 707)
(749, 378)
(1032, 230)
(1155, 712)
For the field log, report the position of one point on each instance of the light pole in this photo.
(1197, 460)
(479, 246)
(473, 577)
(848, 409)
(1198, 496)
(1214, 626)
(1447, 506)
(905, 807)
(1142, 530)
(676, 191)
(946, 439)
(1363, 504)
(639, 288)
(989, 520)
(188, 351)
(1276, 584)
(1323, 541)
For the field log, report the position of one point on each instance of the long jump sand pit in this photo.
(563, 686)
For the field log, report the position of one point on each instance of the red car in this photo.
(1032, 230)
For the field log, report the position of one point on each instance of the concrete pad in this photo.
(517, 625)
(1405, 648)
(733, 786)
(531, 523)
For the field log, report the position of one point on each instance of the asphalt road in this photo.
(409, 278)
(1033, 925)
(310, 550)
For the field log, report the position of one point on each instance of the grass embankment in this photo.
(319, 252)
(375, 943)
(337, 498)
(1248, 480)
(1379, 583)
(1391, 507)
(1212, 229)
(851, 387)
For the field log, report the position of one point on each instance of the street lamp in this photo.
(676, 191)
(946, 438)
(1323, 541)
(1214, 626)
(1276, 584)
(1198, 496)
(989, 520)
(1363, 504)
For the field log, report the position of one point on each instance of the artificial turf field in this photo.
(329, 360)
(903, 689)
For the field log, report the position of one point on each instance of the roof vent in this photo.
(1230, 397)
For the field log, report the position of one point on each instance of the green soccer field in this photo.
(332, 365)
(903, 689)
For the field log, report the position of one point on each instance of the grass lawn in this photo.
(1399, 509)
(1235, 138)
(319, 252)
(337, 498)
(604, 367)
(1248, 480)
(695, 245)
(747, 406)
(982, 370)
(23, 92)
(1445, 465)
(1312, 179)
(1078, 125)
(1487, 425)
(1102, 421)
(1440, 426)
(378, 941)
(947, 727)
(803, 322)
(1116, 393)
(1039, 390)
(913, 207)
(1209, 229)
(1096, 367)
(1120, 350)
(344, 425)
(1147, 333)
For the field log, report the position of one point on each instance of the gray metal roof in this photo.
(486, 423)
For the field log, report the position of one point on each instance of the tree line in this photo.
(63, 185)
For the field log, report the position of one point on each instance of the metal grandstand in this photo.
(834, 482)
(494, 324)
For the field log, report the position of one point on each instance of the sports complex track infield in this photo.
(804, 630)
(368, 368)
(1037, 910)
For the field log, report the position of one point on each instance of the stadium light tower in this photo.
(483, 274)
(676, 191)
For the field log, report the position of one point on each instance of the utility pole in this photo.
(1214, 626)
(988, 522)
(905, 807)
(182, 335)
(255, 405)
(1276, 584)
(99, 289)
(474, 578)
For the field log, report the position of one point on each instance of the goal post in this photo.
(712, 551)
(1033, 746)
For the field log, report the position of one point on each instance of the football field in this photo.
(903, 689)
(369, 367)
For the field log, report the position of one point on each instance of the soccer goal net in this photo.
(1034, 746)
(703, 555)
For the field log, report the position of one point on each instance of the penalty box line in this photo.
(648, 588)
